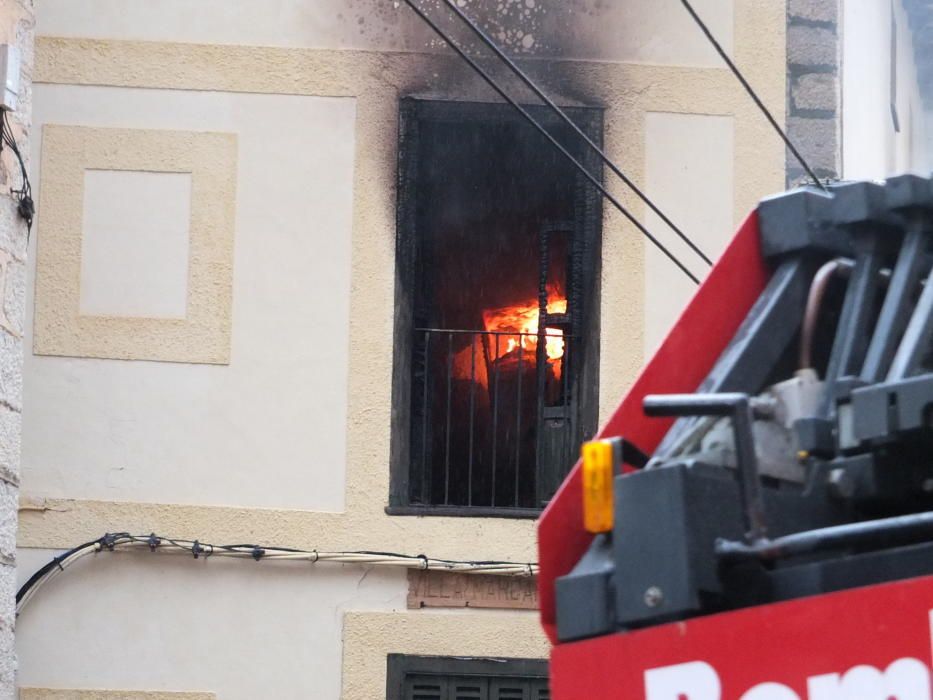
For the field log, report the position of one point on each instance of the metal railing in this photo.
(479, 402)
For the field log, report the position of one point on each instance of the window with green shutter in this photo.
(456, 678)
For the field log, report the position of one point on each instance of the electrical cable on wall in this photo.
(24, 204)
(197, 549)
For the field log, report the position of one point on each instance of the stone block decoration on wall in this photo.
(17, 28)
(813, 104)
(166, 295)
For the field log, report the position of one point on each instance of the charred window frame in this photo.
(443, 678)
(407, 487)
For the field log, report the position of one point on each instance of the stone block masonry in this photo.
(813, 100)
(17, 27)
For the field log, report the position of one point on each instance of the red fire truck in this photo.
(755, 520)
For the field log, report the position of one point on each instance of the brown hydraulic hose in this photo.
(815, 302)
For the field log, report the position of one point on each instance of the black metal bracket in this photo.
(627, 452)
(738, 407)
(884, 412)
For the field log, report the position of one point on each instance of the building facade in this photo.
(253, 315)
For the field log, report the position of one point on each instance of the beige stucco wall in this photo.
(369, 637)
(239, 630)
(689, 173)
(651, 31)
(629, 91)
(138, 431)
(269, 447)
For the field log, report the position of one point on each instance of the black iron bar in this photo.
(885, 532)
(751, 93)
(472, 404)
(541, 366)
(565, 387)
(541, 363)
(554, 142)
(563, 116)
(450, 346)
(518, 421)
(736, 406)
(425, 496)
(495, 415)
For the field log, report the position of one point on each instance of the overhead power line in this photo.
(553, 141)
(563, 116)
(748, 88)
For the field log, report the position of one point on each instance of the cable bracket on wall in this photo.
(25, 206)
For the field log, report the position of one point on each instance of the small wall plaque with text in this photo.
(440, 589)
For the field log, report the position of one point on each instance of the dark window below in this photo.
(442, 678)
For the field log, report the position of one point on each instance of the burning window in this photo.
(496, 308)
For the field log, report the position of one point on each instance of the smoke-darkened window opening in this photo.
(495, 231)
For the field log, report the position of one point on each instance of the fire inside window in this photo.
(496, 323)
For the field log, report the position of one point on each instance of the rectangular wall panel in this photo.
(269, 428)
(689, 174)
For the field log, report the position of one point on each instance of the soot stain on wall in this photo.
(521, 27)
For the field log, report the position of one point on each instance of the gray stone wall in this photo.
(17, 24)
(813, 100)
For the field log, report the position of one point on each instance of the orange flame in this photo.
(523, 318)
(521, 321)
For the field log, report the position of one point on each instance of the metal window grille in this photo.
(496, 410)
(440, 678)
(489, 420)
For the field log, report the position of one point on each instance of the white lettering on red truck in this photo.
(904, 679)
